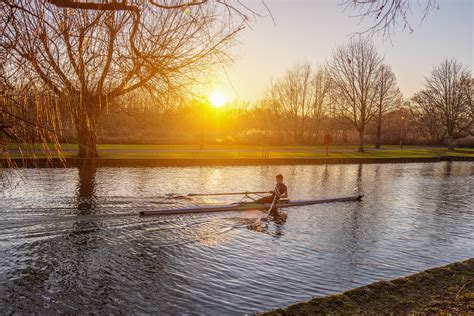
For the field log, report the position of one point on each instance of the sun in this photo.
(218, 98)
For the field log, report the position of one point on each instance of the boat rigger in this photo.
(246, 206)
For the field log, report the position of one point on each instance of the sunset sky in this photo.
(311, 29)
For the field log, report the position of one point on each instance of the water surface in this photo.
(70, 240)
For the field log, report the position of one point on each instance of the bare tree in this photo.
(292, 94)
(270, 116)
(429, 127)
(90, 54)
(387, 15)
(354, 72)
(30, 125)
(320, 104)
(447, 99)
(301, 97)
(388, 97)
(29, 116)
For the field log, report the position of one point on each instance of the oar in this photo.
(228, 193)
(258, 222)
(265, 216)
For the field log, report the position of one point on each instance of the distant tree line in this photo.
(354, 97)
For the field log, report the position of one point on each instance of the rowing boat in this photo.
(245, 206)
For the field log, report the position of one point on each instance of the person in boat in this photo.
(280, 191)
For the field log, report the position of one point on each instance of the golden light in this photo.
(218, 98)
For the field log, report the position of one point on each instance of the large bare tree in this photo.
(447, 99)
(354, 72)
(90, 54)
(388, 97)
(301, 97)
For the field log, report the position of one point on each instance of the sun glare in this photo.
(218, 98)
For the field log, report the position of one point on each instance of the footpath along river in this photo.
(70, 242)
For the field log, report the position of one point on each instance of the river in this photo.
(70, 240)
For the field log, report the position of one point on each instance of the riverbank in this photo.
(189, 162)
(444, 290)
(211, 155)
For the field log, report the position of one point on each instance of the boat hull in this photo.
(246, 206)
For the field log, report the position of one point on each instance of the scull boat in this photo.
(246, 206)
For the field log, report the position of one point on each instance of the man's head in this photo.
(279, 178)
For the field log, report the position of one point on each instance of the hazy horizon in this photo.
(311, 30)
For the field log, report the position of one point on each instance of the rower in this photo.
(279, 192)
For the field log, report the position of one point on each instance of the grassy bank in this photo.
(444, 290)
(132, 151)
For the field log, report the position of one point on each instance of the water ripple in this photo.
(71, 242)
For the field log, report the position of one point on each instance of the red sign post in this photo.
(327, 140)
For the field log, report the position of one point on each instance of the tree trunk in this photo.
(361, 140)
(451, 143)
(86, 198)
(86, 136)
(378, 141)
(296, 130)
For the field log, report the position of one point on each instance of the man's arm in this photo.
(281, 195)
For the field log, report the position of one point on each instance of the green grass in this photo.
(444, 290)
(138, 151)
(208, 147)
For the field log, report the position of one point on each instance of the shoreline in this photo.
(196, 162)
(443, 290)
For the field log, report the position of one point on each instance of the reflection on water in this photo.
(70, 240)
(86, 198)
